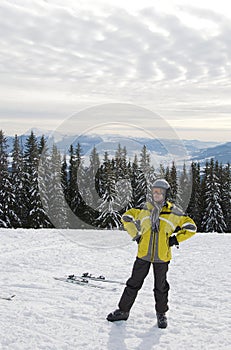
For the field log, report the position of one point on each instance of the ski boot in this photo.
(161, 320)
(118, 315)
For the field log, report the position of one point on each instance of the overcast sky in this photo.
(59, 57)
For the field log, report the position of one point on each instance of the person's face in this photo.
(158, 194)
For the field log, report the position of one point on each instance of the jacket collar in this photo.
(150, 206)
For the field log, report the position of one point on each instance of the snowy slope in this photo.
(48, 314)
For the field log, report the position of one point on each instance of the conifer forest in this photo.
(40, 188)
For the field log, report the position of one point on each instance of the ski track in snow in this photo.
(50, 315)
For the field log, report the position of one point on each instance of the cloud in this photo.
(72, 55)
(67, 46)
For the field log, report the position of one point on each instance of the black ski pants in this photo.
(135, 282)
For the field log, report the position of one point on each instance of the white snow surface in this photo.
(49, 314)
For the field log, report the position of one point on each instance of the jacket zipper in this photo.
(153, 246)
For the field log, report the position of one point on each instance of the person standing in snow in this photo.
(158, 221)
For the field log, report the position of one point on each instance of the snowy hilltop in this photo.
(49, 314)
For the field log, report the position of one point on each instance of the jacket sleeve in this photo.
(130, 227)
(186, 229)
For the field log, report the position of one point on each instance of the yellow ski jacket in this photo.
(154, 246)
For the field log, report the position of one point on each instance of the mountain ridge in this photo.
(187, 150)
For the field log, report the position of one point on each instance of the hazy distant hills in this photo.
(161, 150)
(221, 153)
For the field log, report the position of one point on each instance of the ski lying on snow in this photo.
(100, 278)
(81, 281)
(75, 280)
(8, 298)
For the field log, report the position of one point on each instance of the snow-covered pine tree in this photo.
(195, 205)
(204, 177)
(135, 183)
(167, 174)
(121, 162)
(92, 173)
(76, 186)
(57, 202)
(184, 189)
(72, 184)
(72, 180)
(226, 195)
(124, 160)
(8, 216)
(109, 216)
(141, 188)
(123, 180)
(17, 176)
(162, 172)
(145, 162)
(213, 217)
(91, 188)
(141, 178)
(34, 213)
(44, 180)
(118, 162)
(152, 176)
(101, 177)
(172, 180)
(79, 209)
(129, 174)
(64, 178)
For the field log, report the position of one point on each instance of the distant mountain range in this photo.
(161, 150)
(221, 153)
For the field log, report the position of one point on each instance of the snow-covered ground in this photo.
(48, 314)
